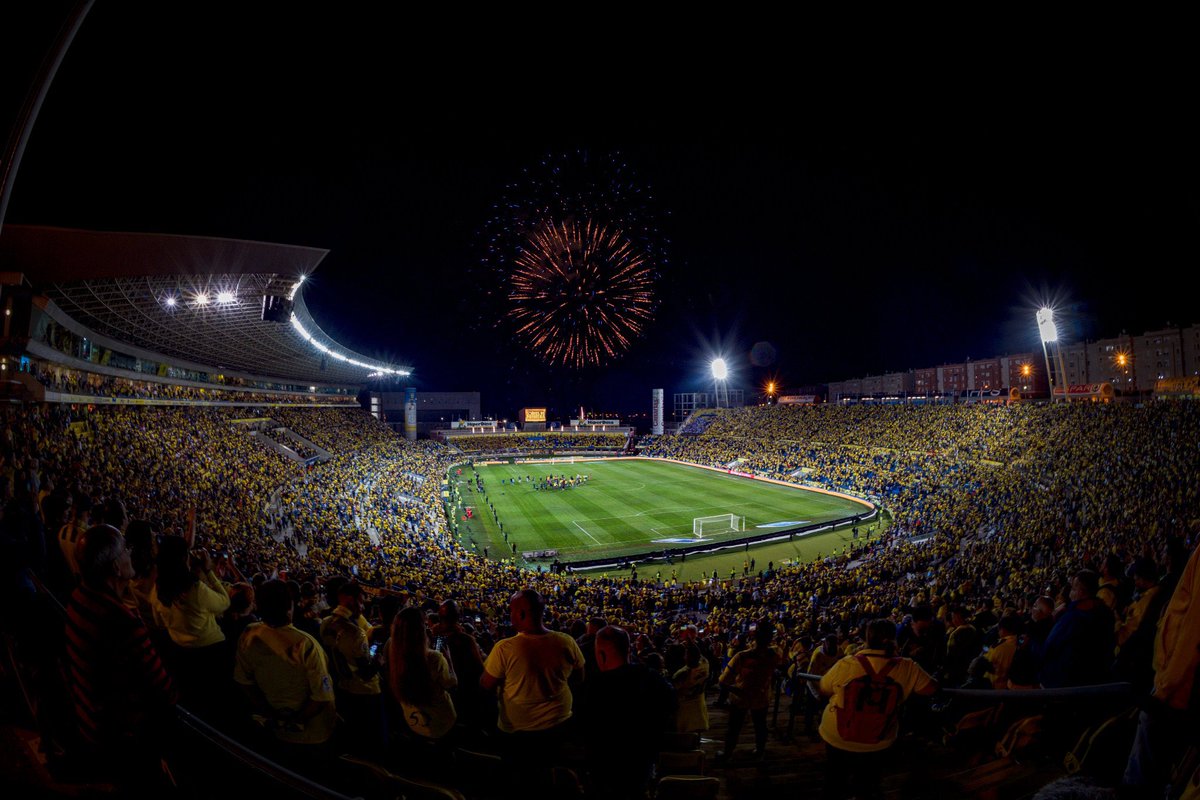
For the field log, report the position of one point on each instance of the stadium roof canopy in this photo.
(192, 298)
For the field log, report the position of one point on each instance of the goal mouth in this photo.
(720, 523)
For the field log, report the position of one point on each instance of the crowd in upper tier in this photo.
(552, 441)
(67, 380)
(1052, 535)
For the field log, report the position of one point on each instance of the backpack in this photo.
(1021, 736)
(872, 702)
(1103, 749)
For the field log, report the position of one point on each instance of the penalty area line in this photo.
(585, 531)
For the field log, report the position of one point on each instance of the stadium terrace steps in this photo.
(291, 453)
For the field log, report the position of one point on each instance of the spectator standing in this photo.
(587, 645)
(1165, 727)
(861, 721)
(1136, 630)
(120, 689)
(346, 635)
(462, 651)
(1000, 657)
(963, 643)
(143, 549)
(748, 677)
(419, 677)
(626, 709)
(823, 658)
(690, 681)
(1079, 649)
(284, 675)
(187, 598)
(531, 671)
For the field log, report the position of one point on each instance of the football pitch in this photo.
(626, 507)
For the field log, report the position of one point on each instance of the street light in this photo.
(1122, 360)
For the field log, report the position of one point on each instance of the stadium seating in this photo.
(993, 507)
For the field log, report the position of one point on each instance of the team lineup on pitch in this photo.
(620, 507)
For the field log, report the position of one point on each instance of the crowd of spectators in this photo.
(698, 423)
(298, 447)
(529, 443)
(1052, 535)
(334, 429)
(67, 380)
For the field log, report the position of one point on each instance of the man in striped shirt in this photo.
(121, 692)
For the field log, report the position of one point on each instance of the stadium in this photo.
(244, 557)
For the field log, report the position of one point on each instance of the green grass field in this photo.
(629, 506)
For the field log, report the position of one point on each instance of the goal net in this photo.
(722, 523)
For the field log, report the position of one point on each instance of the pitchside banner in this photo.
(410, 413)
(656, 412)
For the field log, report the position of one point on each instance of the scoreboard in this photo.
(532, 415)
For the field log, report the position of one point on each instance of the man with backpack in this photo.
(862, 719)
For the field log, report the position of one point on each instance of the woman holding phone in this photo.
(419, 677)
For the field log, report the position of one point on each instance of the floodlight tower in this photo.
(1048, 332)
(720, 371)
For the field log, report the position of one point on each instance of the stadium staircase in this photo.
(288, 452)
(698, 421)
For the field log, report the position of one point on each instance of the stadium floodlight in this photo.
(720, 371)
(1046, 326)
(1048, 331)
(201, 299)
(171, 301)
(225, 297)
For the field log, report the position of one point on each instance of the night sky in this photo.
(860, 217)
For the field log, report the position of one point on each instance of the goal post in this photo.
(721, 523)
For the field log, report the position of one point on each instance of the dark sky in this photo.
(859, 213)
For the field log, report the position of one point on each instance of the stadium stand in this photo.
(1005, 533)
(536, 443)
(1041, 567)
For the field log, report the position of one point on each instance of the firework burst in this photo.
(581, 293)
(573, 253)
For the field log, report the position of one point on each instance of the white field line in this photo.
(691, 509)
(585, 531)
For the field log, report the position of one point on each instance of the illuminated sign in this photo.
(1189, 384)
(533, 415)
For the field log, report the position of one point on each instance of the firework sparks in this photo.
(581, 293)
(574, 253)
